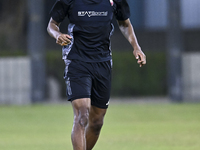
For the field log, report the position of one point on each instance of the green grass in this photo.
(127, 127)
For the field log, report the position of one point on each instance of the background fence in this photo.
(15, 80)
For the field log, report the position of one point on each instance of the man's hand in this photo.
(63, 39)
(140, 56)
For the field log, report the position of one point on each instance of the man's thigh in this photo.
(78, 81)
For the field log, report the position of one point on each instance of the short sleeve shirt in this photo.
(90, 26)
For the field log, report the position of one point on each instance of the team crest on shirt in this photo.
(111, 2)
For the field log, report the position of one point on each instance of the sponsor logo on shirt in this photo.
(92, 13)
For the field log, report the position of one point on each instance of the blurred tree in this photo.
(12, 23)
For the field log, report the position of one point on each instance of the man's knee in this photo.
(96, 125)
(83, 120)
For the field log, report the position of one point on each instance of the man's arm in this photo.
(128, 31)
(54, 31)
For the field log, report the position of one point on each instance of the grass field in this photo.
(128, 126)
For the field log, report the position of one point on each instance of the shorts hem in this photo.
(98, 106)
(78, 97)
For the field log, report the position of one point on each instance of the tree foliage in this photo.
(12, 24)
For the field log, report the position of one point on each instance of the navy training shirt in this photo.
(90, 26)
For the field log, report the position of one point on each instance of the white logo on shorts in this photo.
(107, 103)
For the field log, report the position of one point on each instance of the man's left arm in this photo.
(128, 31)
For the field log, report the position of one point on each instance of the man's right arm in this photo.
(54, 31)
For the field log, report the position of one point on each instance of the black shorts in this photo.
(89, 80)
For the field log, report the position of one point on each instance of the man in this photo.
(87, 55)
